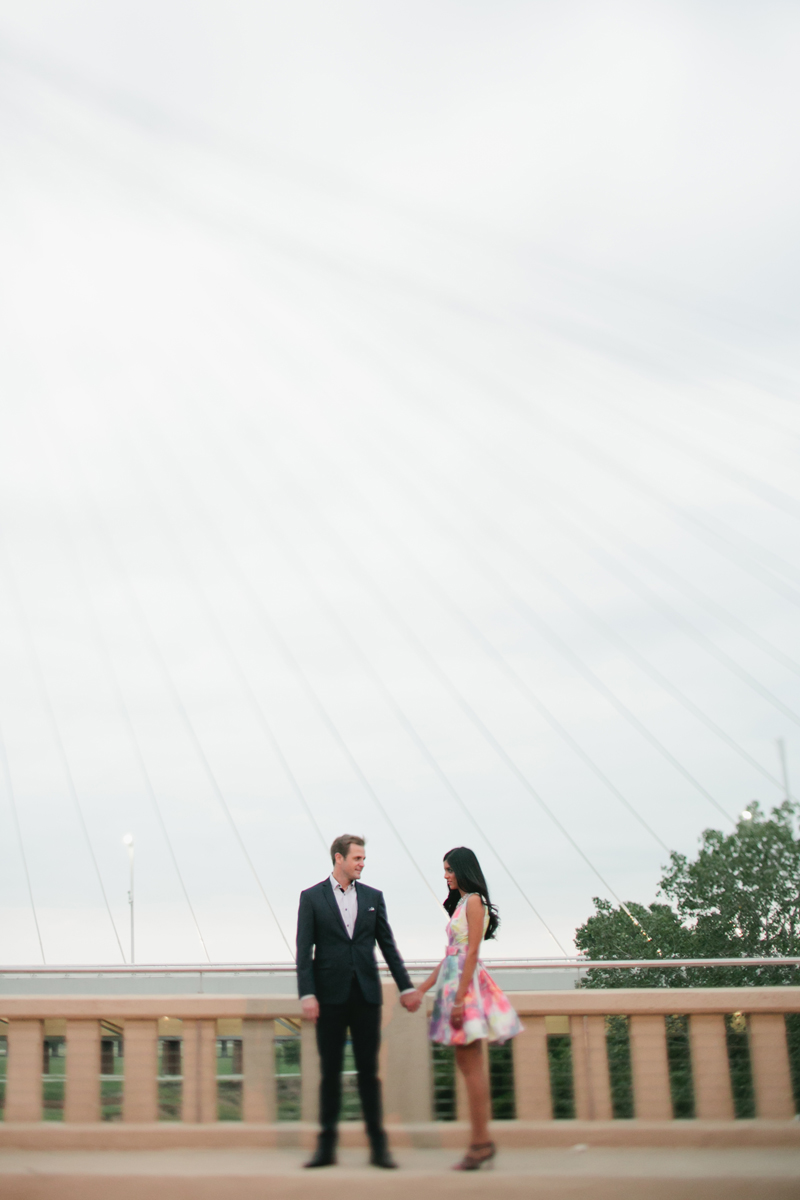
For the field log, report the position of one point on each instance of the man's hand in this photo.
(310, 1007)
(411, 1001)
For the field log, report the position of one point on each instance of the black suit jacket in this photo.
(327, 958)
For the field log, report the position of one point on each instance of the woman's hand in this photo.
(457, 1015)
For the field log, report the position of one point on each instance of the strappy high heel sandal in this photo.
(479, 1155)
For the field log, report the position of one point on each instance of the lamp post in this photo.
(128, 840)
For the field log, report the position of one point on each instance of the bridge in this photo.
(688, 1092)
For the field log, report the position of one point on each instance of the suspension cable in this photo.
(15, 817)
(158, 658)
(44, 696)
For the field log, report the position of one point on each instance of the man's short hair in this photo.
(341, 845)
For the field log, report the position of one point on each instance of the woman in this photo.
(468, 1005)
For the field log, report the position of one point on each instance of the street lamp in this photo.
(128, 841)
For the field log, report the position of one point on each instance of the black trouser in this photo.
(364, 1022)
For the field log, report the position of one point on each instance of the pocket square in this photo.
(370, 910)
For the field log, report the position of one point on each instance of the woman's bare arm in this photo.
(431, 980)
(475, 914)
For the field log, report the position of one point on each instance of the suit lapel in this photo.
(327, 891)
(361, 900)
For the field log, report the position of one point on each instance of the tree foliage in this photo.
(739, 898)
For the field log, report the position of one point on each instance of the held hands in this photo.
(310, 1008)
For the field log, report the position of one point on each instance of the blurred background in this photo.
(398, 433)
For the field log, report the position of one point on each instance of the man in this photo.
(341, 919)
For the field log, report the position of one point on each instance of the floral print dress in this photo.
(487, 1010)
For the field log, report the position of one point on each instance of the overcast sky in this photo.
(398, 435)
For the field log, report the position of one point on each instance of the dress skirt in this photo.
(488, 1012)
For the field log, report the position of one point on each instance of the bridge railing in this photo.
(646, 1054)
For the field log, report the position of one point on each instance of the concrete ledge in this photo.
(660, 1001)
(545, 1174)
(440, 1135)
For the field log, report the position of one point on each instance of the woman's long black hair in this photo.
(464, 864)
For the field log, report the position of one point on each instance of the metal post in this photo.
(128, 840)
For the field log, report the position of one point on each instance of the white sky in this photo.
(398, 422)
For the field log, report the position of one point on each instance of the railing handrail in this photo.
(507, 964)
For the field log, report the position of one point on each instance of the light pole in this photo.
(128, 840)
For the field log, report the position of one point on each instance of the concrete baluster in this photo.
(199, 1069)
(310, 1073)
(651, 1094)
(82, 1098)
(590, 1075)
(24, 1072)
(532, 1072)
(258, 1087)
(713, 1094)
(140, 1096)
(406, 1066)
(769, 1055)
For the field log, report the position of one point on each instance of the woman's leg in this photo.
(470, 1063)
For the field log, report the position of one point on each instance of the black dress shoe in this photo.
(380, 1156)
(324, 1155)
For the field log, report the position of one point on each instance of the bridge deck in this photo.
(577, 1174)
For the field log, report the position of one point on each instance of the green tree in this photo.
(739, 898)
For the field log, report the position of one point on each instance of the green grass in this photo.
(287, 1072)
(111, 1091)
(289, 1100)
(287, 1056)
(111, 1079)
(53, 1099)
(53, 1079)
(229, 1099)
(229, 1091)
(170, 1096)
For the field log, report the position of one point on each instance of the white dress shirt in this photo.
(347, 900)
